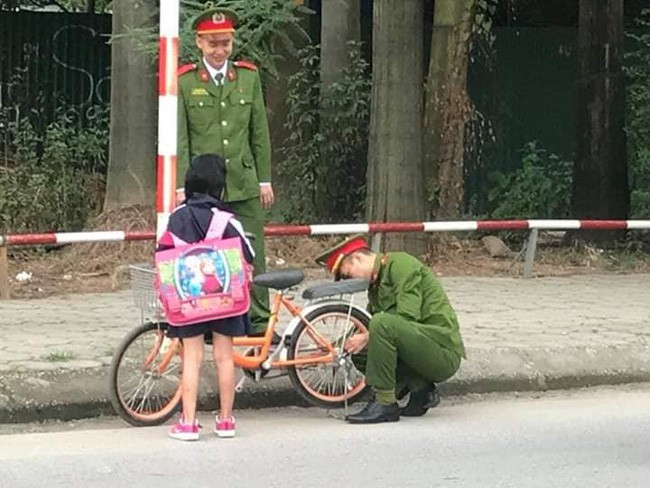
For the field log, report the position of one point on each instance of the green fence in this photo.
(524, 91)
(47, 59)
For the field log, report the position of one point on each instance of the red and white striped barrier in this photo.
(75, 237)
(167, 111)
(333, 229)
(454, 226)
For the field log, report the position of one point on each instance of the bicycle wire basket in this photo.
(145, 296)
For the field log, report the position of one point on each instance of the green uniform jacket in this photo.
(228, 120)
(406, 287)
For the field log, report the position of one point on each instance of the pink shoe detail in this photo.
(185, 432)
(224, 428)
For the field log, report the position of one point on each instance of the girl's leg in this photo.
(192, 360)
(222, 354)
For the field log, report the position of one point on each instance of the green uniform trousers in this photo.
(251, 215)
(401, 355)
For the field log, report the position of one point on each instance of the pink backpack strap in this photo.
(170, 239)
(178, 241)
(218, 223)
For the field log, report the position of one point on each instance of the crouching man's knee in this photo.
(382, 325)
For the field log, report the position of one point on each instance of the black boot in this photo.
(374, 413)
(421, 401)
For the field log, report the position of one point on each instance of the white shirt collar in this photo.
(214, 71)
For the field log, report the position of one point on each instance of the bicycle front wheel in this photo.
(145, 374)
(327, 385)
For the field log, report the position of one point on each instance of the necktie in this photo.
(219, 79)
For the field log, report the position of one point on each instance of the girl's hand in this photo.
(357, 343)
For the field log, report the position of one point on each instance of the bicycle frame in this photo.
(264, 360)
(310, 351)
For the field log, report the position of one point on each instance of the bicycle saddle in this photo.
(336, 288)
(280, 279)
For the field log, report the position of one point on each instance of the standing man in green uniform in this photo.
(221, 111)
(413, 340)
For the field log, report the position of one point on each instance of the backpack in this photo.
(206, 280)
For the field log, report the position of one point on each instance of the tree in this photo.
(447, 106)
(395, 185)
(132, 152)
(340, 24)
(600, 183)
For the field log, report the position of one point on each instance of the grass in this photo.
(60, 356)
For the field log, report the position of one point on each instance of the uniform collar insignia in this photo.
(204, 75)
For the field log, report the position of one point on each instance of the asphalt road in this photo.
(590, 438)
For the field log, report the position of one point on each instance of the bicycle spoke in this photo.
(144, 391)
(327, 381)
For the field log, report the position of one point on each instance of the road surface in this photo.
(582, 438)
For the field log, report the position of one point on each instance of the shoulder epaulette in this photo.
(245, 64)
(186, 68)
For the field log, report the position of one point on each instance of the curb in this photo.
(66, 394)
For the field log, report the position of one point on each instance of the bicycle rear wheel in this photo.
(327, 385)
(144, 390)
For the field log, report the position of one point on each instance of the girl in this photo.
(204, 183)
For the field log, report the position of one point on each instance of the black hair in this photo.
(206, 175)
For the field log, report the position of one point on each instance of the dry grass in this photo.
(86, 267)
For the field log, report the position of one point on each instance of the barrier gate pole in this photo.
(4, 273)
(167, 112)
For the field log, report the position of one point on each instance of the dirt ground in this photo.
(101, 267)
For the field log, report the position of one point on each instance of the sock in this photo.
(385, 397)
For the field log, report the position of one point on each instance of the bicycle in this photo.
(144, 377)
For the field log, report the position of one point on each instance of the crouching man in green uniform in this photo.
(413, 339)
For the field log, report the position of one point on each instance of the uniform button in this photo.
(200, 104)
(242, 101)
(223, 104)
(225, 142)
(227, 160)
(224, 123)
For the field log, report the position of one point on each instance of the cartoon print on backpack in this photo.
(211, 283)
(201, 272)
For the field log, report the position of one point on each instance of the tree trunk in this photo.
(90, 6)
(395, 187)
(340, 23)
(447, 107)
(133, 131)
(600, 182)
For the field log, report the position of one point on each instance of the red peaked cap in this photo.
(215, 22)
(332, 258)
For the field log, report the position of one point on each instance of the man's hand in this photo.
(180, 197)
(357, 343)
(266, 196)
